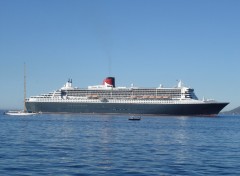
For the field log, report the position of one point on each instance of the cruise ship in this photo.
(109, 99)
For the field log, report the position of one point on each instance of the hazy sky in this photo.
(145, 42)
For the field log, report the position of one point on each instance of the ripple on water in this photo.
(113, 145)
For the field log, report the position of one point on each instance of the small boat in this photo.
(22, 112)
(19, 113)
(134, 118)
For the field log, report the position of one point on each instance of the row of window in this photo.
(122, 93)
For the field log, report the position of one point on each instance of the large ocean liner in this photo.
(109, 99)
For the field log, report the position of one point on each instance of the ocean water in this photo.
(49, 144)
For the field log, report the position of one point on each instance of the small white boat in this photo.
(19, 113)
(134, 118)
(22, 112)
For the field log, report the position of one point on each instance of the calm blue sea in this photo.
(112, 145)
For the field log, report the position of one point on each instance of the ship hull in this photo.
(204, 109)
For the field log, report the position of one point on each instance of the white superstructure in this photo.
(109, 93)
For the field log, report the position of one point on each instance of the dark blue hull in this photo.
(206, 109)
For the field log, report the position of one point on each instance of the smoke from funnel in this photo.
(104, 35)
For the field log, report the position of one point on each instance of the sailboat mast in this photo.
(25, 88)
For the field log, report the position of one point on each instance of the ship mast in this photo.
(25, 89)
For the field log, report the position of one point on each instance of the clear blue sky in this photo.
(149, 42)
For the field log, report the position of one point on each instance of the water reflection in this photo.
(106, 145)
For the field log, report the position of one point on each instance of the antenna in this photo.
(25, 88)
(109, 65)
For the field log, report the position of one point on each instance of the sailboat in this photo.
(19, 113)
(23, 112)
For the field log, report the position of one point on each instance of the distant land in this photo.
(235, 111)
